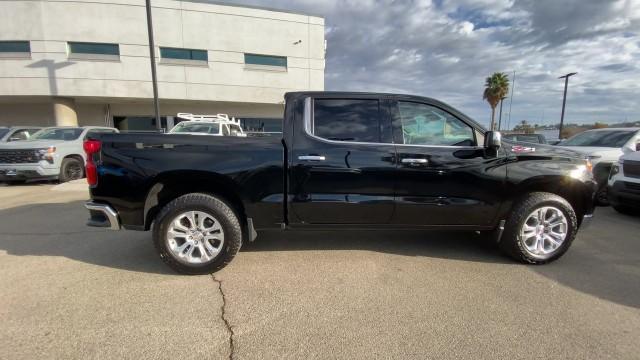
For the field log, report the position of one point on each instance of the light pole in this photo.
(500, 117)
(152, 55)
(564, 100)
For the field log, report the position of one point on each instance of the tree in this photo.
(495, 88)
(524, 127)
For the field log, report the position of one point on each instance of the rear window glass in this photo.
(188, 127)
(347, 119)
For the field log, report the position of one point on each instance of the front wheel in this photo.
(197, 234)
(540, 229)
(71, 169)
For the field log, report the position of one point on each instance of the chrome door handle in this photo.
(311, 158)
(415, 162)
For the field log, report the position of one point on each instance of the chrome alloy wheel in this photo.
(195, 237)
(544, 231)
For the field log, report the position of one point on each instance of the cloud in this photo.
(445, 49)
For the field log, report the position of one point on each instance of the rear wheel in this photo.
(540, 229)
(71, 169)
(602, 196)
(197, 234)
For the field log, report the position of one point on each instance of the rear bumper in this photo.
(102, 215)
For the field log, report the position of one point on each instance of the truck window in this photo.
(347, 119)
(22, 134)
(424, 124)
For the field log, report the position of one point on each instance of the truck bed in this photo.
(134, 169)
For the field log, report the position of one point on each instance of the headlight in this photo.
(46, 154)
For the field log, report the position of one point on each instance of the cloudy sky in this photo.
(446, 48)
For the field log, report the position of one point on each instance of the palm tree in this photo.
(495, 88)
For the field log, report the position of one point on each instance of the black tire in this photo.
(602, 196)
(513, 245)
(222, 212)
(71, 169)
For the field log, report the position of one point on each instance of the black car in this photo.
(344, 161)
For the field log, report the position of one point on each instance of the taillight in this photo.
(91, 148)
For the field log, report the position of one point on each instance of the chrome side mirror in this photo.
(492, 140)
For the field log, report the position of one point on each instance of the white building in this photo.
(86, 62)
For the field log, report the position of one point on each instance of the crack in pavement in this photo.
(224, 318)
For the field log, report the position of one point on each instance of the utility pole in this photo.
(513, 86)
(500, 117)
(152, 55)
(564, 100)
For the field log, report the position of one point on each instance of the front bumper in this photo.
(9, 172)
(624, 193)
(102, 215)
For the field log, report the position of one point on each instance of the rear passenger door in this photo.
(342, 164)
(444, 176)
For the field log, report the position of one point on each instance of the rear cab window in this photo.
(352, 120)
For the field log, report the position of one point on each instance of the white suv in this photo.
(604, 147)
(624, 184)
(51, 153)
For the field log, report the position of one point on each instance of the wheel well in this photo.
(568, 189)
(75, 156)
(170, 187)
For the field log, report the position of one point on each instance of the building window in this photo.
(94, 51)
(266, 62)
(15, 49)
(183, 56)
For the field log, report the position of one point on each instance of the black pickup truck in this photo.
(344, 161)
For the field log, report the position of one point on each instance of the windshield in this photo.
(66, 134)
(187, 127)
(609, 138)
(3, 132)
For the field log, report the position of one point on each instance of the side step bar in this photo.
(102, 215)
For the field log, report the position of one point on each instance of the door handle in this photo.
(415, 162)
(311, 158)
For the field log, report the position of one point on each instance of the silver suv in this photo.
(51, 153)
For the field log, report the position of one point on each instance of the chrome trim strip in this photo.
(311, 158)
(414, 161)
(108, 211)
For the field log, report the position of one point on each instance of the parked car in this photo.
(624, 184)
(345, 161)
(213, 125)
(530, 138)
(17, 133)
(49, 154)
(604, 147)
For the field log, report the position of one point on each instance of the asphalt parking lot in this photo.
(68, 291)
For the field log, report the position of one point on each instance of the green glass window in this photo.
(94, 48)
(183, 54)
(254, 59)
(15, 47)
